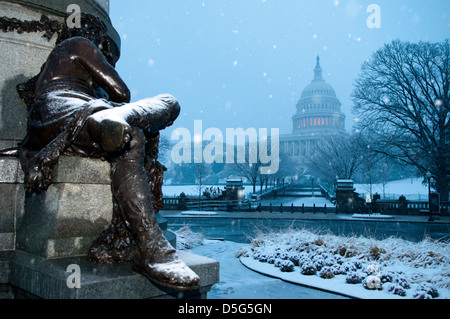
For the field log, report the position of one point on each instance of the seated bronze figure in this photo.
(78, 104)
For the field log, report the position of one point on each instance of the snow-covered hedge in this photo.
(403, 268)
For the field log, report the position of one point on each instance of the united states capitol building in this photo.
(318, 115)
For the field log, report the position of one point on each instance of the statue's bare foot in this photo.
(173, 274)
(108, 130)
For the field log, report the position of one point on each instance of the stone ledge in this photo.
(82, 170)
(47, 279)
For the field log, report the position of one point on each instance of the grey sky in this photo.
(244, 63)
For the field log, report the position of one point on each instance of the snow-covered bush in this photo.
(354, 278)
(319, 262)
(261, 257)
(287, 266)
(401, 281)
(278, 262)
(349, 266)
(387, 277)
(308, 268)
(330, 260)
(338, 259)
(373, 269)
(424, 290)
(397, 290)
(327, 272)
(422, 295)
(358, 264)
(372, 282)
(304, 258)
(372, 262)
(284, 256)
(339, 270)
(295, 259)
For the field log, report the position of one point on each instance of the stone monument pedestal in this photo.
(59, 225)
(38, 277)
(41, 234)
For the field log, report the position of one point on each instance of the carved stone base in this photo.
(47, 279)
(70, 223)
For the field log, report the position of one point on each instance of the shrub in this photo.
(287, 266)
(319, 263)
(373, 269)
(263, 258)
(387, 277)
(397, 290)
(421, 295)
(304, 258)
(354, 278)
(327, 272)
(338, 270)
(295, 259)
(349, 267)
(401, 281)
(308, 268)
(428, 289)
(372, 282)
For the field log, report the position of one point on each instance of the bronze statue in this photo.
(78, 104)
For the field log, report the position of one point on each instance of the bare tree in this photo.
(248, 168)
(288, 168)
(200, 171)
(402, 99)
(164, 146)
(337, 156)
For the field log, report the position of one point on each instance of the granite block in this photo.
(47, 279)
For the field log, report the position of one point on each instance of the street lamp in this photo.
(428, 176)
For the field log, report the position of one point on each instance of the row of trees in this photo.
(201, 173)
(351, 156)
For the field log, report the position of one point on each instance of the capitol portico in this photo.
(318, 115)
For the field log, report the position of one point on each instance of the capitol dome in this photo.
(318, 86)
(318, 115)
(318, 107)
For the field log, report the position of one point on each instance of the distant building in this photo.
(318, 115)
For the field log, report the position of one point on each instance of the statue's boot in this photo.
(154, 256)
(111, 128)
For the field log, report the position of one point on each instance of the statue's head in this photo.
(95, 30)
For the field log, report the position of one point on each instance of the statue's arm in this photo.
(103, 73)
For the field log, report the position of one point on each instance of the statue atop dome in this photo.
(318, 71)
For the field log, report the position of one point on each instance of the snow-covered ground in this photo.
(411, 188)
(414, 269)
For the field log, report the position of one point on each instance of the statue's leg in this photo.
(154, 256)
(111, 127)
